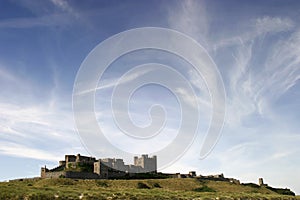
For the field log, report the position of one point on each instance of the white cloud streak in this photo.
(30, 125)
(65, 6)
(190, 17)
(268, 24)
(43, 16)
(256, 84)
(40, 21)
(17, 150)
(258, 28)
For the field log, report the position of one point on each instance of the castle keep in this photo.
(89, 168)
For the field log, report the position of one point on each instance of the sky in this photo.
(255, 46)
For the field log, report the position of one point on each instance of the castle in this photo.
(77, 166)
(84, 167)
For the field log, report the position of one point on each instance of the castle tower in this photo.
(43, 171)
(148, 164)
(136, 160)
(260, 181)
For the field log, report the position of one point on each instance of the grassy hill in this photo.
(133, 189)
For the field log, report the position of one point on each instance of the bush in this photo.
(101, 184)
(251, 185)
(156, 185)
(204, 189)
(141, 185)
(62, 176)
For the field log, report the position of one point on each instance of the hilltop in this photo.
(92, 178)
(187, 188)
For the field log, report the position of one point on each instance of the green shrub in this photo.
(156, 185)
(204, 189)
(251, 185)
(141, 185)
(62, 176)
(102, 184)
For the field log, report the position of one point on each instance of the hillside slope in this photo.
(132, 189)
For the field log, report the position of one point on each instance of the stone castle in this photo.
(77, 166)
(84, 167)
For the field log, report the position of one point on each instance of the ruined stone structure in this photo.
(219, 177)
(192, 174)
(261, 182)
(89, 168)
(145, 164)
(71, 161)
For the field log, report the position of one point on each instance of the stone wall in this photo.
(54, 174)
(70, 174)
(81, 175)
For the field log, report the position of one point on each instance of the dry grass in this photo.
(128, 189)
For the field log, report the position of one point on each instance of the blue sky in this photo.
(255, 45)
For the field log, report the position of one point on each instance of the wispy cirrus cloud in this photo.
(65, 6)
(269, 24)
(281, 71)
(259, 63)
(255, 80)
(62, 4)
(28, 124)
(37, 128)
(43, 15)
(190, 17)
(17, 150)
(40, 21)
(257, 28)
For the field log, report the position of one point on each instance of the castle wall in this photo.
(62, 163)
(70, 174)
(104, 171)
(54, 174)
(81, 175)
(135, 169)
(85, 159)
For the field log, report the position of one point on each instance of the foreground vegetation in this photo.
(133, 189)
